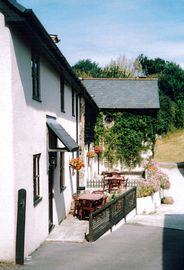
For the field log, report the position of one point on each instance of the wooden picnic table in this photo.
(88, 202)
(114, 182)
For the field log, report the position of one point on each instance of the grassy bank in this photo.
(170, 148)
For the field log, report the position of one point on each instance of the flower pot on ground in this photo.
(156, 199)
(148, 197)
(145, 205)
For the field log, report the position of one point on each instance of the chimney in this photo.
(54, 38)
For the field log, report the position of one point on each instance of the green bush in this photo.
(145, 189)
(124, 140)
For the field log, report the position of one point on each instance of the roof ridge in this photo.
(17, 5)
(122, 79)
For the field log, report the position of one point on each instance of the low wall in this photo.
(149, 204)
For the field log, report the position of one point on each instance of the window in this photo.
(35, 66)
(62, 94)
(62, 174)
(36, 178)
(73, 102)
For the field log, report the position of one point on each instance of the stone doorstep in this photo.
(71, 229)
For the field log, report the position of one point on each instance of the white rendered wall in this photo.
(30, 136)
(7, 198)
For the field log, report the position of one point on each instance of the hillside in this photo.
(170, 148)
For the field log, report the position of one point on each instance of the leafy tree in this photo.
(86, 69)
(119, 68)
(115, 71)
(171, 85)
(171, 81)
(122, 67)
(151, 66)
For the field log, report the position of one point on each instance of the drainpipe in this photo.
(77, 135)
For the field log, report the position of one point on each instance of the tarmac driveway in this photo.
(130, 247)
(137, 245)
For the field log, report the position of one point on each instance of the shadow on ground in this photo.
(180, 166)
(173, 244)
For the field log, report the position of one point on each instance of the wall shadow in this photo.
(173, 242)
(180, 166)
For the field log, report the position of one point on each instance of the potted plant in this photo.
(98, 149)
(91, 154)
(76, 163)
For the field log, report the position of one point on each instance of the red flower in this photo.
(98, 149)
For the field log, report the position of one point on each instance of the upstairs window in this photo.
(35, 67)
(73, 102)
(62, 94)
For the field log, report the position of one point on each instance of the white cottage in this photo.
(42, 128)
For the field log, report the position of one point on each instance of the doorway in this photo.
(52, 165)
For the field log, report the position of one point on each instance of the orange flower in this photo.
(76, 163)
(91, 154)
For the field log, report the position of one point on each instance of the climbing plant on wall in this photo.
(129, 135)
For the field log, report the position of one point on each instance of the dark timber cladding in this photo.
(62, 135)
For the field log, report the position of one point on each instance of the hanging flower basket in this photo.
(76, 163)
(98, 149)
(91, 154)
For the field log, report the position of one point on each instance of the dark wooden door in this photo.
(51, 174)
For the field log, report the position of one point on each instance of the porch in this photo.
(72, 229)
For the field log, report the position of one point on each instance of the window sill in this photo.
(37, 99)
(62, 188)
(37, 201)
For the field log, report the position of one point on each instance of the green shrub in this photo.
(144, 189)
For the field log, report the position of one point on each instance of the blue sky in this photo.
(102, 30)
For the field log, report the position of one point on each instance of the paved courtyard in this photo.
(145, 242)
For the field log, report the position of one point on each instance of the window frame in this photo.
(35, 71)
(62, 94)
(62, 171)
(73, 102)
(36, 179)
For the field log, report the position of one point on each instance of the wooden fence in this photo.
(99, 183)
(133, 178)
(105, 218)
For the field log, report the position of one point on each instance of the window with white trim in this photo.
(36, 178)
(35, 67)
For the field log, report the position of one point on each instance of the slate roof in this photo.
(124, 93)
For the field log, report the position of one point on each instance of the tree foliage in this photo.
(115, 71)
(87, 69)
(151, 66)
(126, 139)
(119, 68)
(171, 85)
